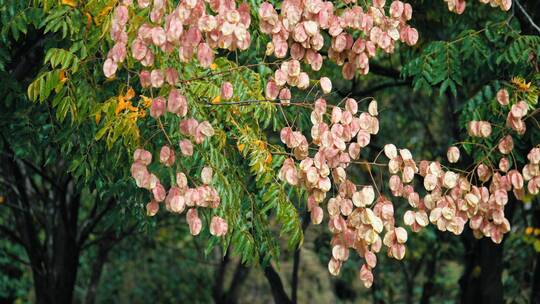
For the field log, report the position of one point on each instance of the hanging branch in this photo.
(529, 18)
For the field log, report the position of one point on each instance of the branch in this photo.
(110, 235)
(379, 87)
(529, 18)
(42, 174)
(11, 235)
(384, 71)
(91, 222)
(16, 258)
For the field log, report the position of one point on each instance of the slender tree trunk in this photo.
(429, 285)
(97, 269)
(219, 281)
(240, 275)
(296, 267)
(535, 288)
(481, 282)
(278, 292)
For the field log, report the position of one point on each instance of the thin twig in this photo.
(529, 18)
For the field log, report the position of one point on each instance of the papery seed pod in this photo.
(453, 154)
(226, 90)
(206, 175)
(158, 107)
(186, 147)
(326, 85)
(390, 151)
(503, 97)
(218, 226)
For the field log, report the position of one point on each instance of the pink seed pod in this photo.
(226, 91)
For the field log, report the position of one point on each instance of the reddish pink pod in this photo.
(166, 156)
(145, 78)
(177, 103)
(218, 226)
(186, 147)
(157, 109)
(226, 90)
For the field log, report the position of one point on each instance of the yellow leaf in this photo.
(71, 3)
(130, 94)
(132, 116)
(104, 12)
(98, 118)
(241, 147)
(132, 108)
(62, 76)
(88, 20)
(269, 158)
(216, 99)
(261, 144)
(521, 84)
(121, 106)
(147, 102)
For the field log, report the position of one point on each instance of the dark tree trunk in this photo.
(219, 281)
(535, 294)
(240, 275)
(65, 265)
(294, 284)
(429, 285)
(57, 285)
(276, 286)
(535, 285)
(481, 282)
(97, 269)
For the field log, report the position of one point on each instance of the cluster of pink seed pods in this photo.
(189, 29)
(299, 26)
(180, 196)
(451, 199)
(458, 6)
(117, 54)
(353, 222)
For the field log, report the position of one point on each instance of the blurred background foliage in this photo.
(72, 224)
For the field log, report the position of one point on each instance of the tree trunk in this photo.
(278, 292)
(97, 269)
(240, 275)
(294, 284)
(427, 290)
(481, 281)
(58, 284)
(535, 286)
(535, 294)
